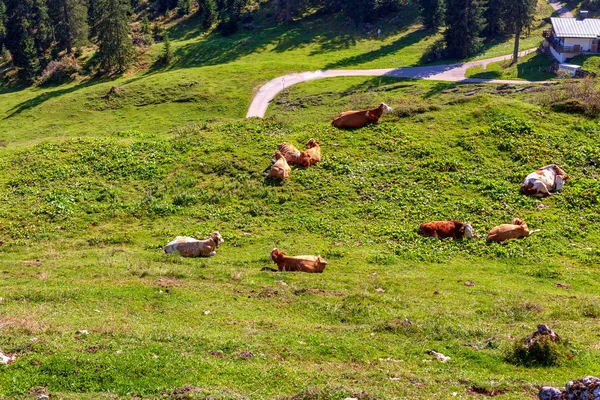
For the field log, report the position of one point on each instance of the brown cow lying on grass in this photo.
(280, 170)
(297, 263)
(190, 247)
(445, 229)
(541, 182)
(311, 155)
(358, 119)
(291, 153)
(516, 230)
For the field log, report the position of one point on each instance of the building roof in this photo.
(576, 28)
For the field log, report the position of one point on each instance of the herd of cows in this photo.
(540, 183)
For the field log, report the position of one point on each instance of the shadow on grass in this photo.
(404, 41)
(48, 95)
(532, 69)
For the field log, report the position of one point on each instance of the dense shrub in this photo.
(60, 71)
(542, 351)
(574, 96)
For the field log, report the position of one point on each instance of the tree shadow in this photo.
(404, 41)
(48, 95)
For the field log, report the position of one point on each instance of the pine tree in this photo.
(3, 18)
(70, 22)
(518, 14)
(184, 7)
(208, 12)
(494, 22)
(360, 10)
(146, 28)
(167, 55)
(27, 35)
(432, 13)
(29, 65)
(464, 24)
(115, 49)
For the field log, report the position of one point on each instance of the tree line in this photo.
(33, 33)
(471, 22)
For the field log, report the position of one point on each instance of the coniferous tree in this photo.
(518, 14)
(494, 21)
(208, 12)
(3, 18)
(184, 7)
(27, 35)
(70, 22)
(360, 10)
(115, 49)
(432, 13)
(464, 24)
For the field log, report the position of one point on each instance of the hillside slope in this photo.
(84, 219)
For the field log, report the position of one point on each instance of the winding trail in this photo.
(448, 72)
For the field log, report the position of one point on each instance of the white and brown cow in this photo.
(281, 169)
(544, 181)
(358, 119)
(447, 229)
(190, 247)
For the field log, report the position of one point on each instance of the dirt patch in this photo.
(487, 392)
(168, 282)
(321, 292)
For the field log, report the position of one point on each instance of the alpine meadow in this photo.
(140, 208)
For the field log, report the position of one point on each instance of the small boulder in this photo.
(549, 393)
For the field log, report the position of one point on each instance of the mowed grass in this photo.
(84, 221)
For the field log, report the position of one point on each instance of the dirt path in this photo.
(561, 9)
(449, 72)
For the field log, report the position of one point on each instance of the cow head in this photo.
(276, 254)
(385, 108)
(559, 182)
(469, 232)
(278, 155)
(311, 143)
(217, 238)
(560, 172)
(518, 221)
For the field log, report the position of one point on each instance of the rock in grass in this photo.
(549, 393)
(587, 388)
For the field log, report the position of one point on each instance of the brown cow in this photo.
(541, 182)
(516, 230)
(445, 229)
(297, 263)
(280, 170)
(291, 153)
(358, 119)
(311, 155)
(190, 247)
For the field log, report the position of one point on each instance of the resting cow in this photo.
(543, 181)
(516, 230)
(280, 170)
(190, 247)
(291, 153)
(358, 119)
(311, 155)
(444, 229)
(297, 263)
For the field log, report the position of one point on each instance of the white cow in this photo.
(190, 247)
(544, 181)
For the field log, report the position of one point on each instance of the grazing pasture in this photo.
(83, 221)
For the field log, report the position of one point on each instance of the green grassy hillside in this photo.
(84, 219)
(91, 188)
